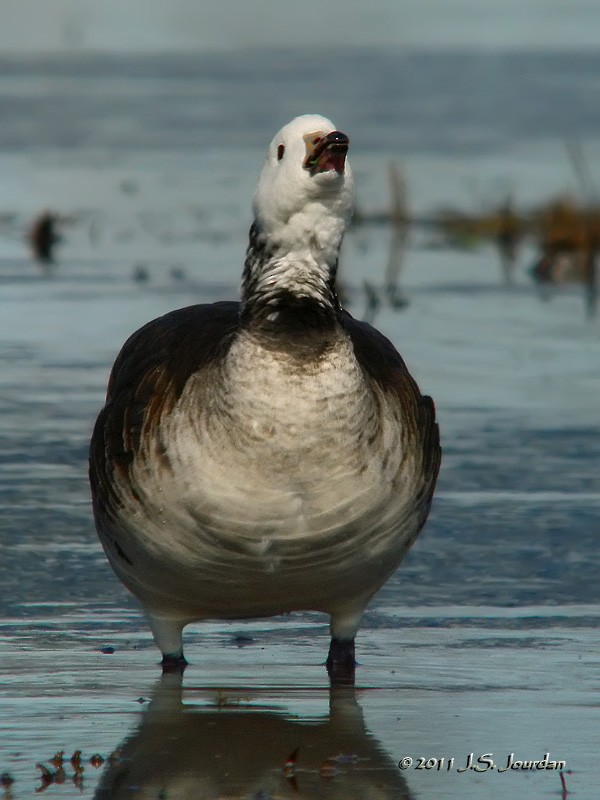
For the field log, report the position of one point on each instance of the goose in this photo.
(270, 455)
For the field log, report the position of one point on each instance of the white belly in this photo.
(294, 495)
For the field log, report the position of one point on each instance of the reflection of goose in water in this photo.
(230, 752)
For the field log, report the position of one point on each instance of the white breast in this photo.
(281, 443)
(285, 481)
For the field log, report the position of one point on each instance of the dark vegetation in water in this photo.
(565, 231)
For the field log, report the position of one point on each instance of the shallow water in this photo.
(485, 641)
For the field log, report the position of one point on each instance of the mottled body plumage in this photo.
(265, 456)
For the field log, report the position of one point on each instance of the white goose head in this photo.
(301, 206)
(306, 181)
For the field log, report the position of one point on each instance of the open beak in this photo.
(326, 153)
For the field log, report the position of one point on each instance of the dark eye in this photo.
(280, 152)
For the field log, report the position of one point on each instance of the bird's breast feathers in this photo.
(269, 447)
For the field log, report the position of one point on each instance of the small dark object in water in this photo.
(46, 777)
(396, 298)
(43, 237)
(373, 302)
(129, 186)
(78, 780)
(108, 651)
(96, 760)
(140, 274)
(6, 780)
(563, 782)
(508, 238)
(177, 273)
(328, 769)
(289, 770)
(561, 267)
(242, 641)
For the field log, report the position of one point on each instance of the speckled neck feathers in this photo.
(280, 287)
(300, 214)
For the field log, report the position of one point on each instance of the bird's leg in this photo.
(167, 635)
(171, 663)
(341, 662)
(345, 621)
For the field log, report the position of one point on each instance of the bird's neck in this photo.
(289, 285)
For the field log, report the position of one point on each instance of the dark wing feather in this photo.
(147, 379)
(382, 362)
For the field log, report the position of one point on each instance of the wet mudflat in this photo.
(253, 715)
(485, 641)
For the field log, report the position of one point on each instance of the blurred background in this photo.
(143, 25)
(131, 138)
